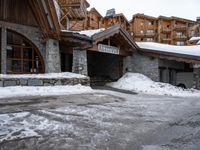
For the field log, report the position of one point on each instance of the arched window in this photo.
(22, 56)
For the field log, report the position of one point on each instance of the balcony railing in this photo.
(184, 37)
(180, 27)
(165, 30)
(166, 39)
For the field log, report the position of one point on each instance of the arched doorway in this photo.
(22, 56)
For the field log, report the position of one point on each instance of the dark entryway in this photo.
(66, 62)
(104, 67)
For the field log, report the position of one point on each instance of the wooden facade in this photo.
(91, 21)
(119, 19)
(167, 30)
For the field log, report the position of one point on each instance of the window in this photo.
(22, 56)
(151, 23)
(141, 31)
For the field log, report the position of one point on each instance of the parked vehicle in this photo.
(184, 79)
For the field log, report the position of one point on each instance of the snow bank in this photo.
(18, 91)
(45, 76)
(187, 50)
(139, 83)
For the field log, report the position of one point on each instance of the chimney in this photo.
(198, 19)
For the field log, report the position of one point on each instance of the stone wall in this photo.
(196, 81)
(5, 82)
(80, 65)
(148, 66)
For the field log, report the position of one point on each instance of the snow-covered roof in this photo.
(186, 50)
(88, 33)
(194, 38)
(198, 43)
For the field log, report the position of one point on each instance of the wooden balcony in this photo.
(150, 34)
(166, 39)
(180, 27)
(180, 37)
(166, 30)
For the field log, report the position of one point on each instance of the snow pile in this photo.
(19, 91)
(45, 76)
(139, 83)
(187, 50)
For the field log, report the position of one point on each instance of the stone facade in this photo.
(80, 62)
(196, 82)
(148, 66)
(49, 50)
(32, 33)
(5, 82)
(3, 50)
(52, 56)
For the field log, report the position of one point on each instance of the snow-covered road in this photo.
(102, 120)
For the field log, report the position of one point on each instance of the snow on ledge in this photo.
(142, 84)
(88, 33)
(187, 50)
(194, 38)
(19, 91)
(44, 76)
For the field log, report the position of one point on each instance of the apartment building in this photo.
(143, 28)
(168, 30)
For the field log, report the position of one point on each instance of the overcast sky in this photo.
(188, 9)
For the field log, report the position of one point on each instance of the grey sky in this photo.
(188, 9)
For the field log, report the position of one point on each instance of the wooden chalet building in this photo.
(39, 41)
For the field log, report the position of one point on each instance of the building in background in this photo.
(112, 19)
(167, 30)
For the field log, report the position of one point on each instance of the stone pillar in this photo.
(196, 81)
(53, 62)
(3, 50)
(127, 64)
(80, 61)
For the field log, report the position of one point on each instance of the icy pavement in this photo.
(103, 120)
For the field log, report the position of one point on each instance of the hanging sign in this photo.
(108, 49)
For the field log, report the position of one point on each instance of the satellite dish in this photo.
(110, 12)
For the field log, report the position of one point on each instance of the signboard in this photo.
(108, 49)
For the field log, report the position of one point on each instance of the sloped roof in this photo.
(111, 31)
(189, 54)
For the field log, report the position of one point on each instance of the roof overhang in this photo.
(170, 56)
(75, 40)
(118, 35)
